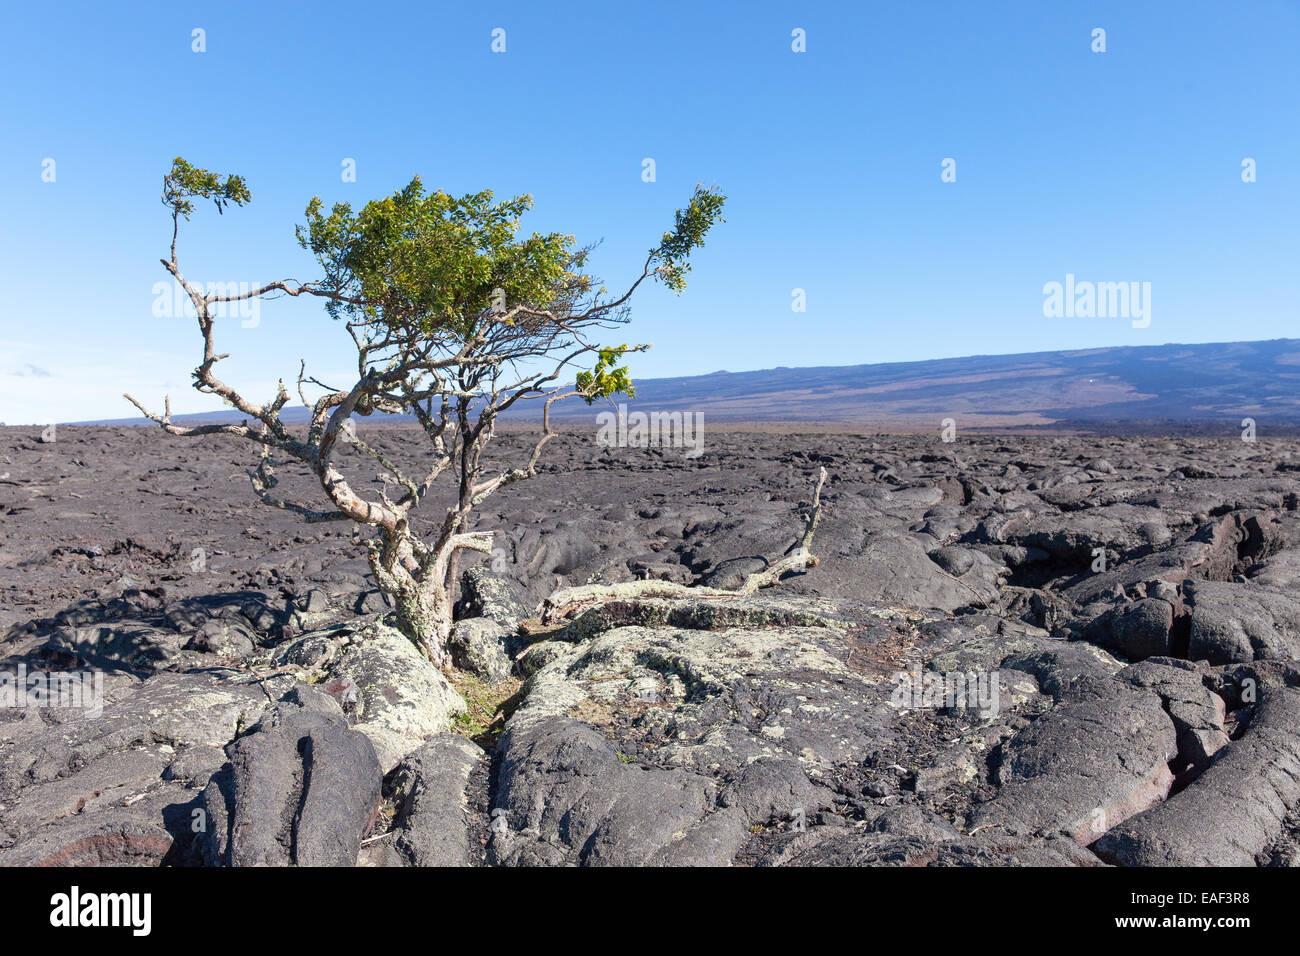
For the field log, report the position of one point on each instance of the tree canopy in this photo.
(457, 314)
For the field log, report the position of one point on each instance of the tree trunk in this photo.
(422, 603)
(449, 578)
(424, 612)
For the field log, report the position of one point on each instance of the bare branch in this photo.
(263, 480)
(567, 602)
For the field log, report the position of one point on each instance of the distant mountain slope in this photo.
(1143, 383)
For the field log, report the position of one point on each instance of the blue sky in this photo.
(1116, 166)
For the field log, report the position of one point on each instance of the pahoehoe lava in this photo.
(1130, 600)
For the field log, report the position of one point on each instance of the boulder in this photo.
(1233, 811)
(395, 696)
(484, 594)
(301, 788)
(480, 646)
(430, 792)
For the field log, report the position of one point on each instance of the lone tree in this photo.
(456, 316)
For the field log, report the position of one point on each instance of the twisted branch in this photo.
(567, 602)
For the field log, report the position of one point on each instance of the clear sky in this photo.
(1121, 166)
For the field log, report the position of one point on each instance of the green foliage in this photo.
(487, 707)
(431, 263)
(185, 183)
(607, 378)
(689, 230)
(435, 269)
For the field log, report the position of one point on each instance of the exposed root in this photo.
(566, 602)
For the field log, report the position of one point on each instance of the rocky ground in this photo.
(1065, 651)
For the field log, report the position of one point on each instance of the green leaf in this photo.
(185, 183)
